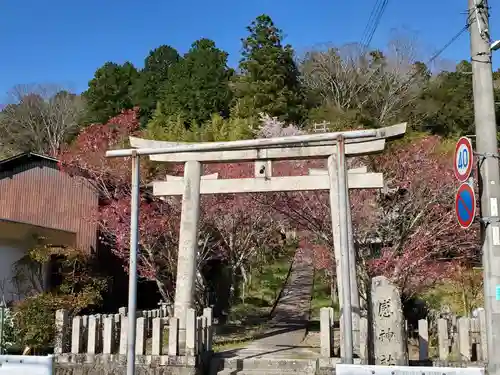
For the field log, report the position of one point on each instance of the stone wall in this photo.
(116, 369)
(115, 364)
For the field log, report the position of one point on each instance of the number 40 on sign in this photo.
(463, 159)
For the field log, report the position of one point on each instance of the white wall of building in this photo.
(14, 284)
(10, 253)
(15, 241)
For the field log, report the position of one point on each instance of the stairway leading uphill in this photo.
(281, 349)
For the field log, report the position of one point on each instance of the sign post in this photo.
(465, 205)
(463, 159)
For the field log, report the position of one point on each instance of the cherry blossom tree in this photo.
(270, 127)
(407, 232)
(413, 218)
(110, 177)
(242, 234)
(232, 228)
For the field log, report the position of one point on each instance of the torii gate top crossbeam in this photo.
(359, 135)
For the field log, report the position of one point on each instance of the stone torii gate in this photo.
(333, 146)
(318, 179)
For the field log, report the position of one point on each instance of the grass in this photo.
(320, 294)
(260, 295)
(460, 297)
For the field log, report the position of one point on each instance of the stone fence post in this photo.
(61, 344)
(326, 331)
(94, 337)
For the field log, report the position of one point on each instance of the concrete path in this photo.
(287, 328)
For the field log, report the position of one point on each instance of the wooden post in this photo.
(108, 336)
(157, 337)
(92, 335)
(199, 335)
(191, 332)
(363, 340)
(123, 335)
(140, 336)
(76, 335)
(483, 336)
(208, 313)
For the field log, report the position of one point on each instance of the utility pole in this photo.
(489, 173)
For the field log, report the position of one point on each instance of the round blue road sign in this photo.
(465, 205)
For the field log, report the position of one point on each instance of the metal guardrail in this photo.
(26, 364)
(346, 369)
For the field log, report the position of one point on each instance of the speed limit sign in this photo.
(463, 159)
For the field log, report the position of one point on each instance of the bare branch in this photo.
(378, 83)
(40, 118)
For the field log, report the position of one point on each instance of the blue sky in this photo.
(63, 42)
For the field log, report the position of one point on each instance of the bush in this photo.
(7, 335)
(79, 289)
(178, 129)
(34, 317)
(462, 292)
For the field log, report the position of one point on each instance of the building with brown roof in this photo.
(39, 200)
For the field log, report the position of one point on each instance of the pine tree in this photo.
(198, 85)
(109, 91)
(269, 80)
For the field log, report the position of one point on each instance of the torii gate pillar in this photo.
(188, 244)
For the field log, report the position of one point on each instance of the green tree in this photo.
(198, 85)
(109, 91)
(172, 128)
(445, 106)
(146, 89)
(269, 80)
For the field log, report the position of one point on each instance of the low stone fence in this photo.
(102, 339)
(384, 338)
(462, 339)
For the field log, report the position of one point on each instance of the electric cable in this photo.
(373, 23)
(437, 54)
(368, 26)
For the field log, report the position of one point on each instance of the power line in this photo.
(373, 22)
(369, 24)
(449, 43)
(377, 22)
(452, 40)
(437, 54)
